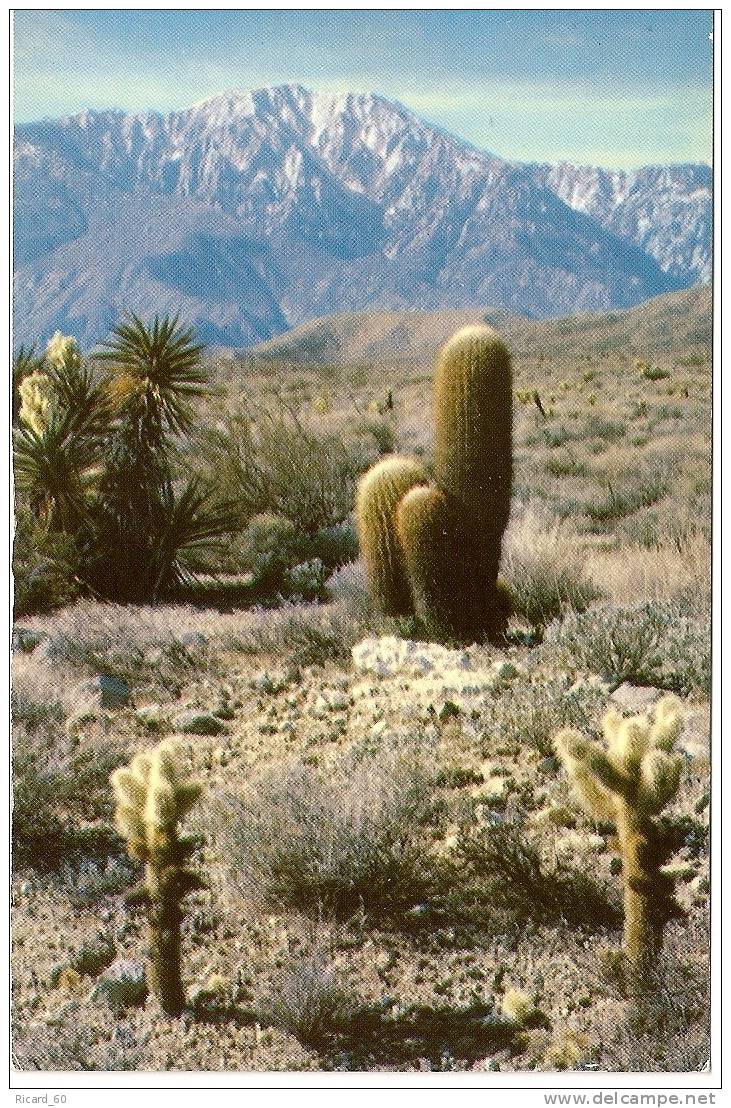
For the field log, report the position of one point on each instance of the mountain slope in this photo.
(679, 323)
(253, 212)
(665, 210)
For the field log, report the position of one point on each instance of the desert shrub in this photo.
(530, 710)
(506, 886)
(381, 433)
(544, 569)
(71, 1045)
(339, 840)
(647, 644)
(565, 465)
(44, 566)
(641, 492)
(654, 373)
(286, 562)
(269, 462)
(601, 427)
(58, 791)
(307, 998)
(307, 635)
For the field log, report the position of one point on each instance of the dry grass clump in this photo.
(545, 569)
(673, 568)
(70, 1046)
(60, 795)
(501, 881)
(340, 839)
(529, 711)
(165, 644)
(307, 997)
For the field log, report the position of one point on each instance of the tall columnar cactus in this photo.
(153, 795)
(628, 782)
(379, 493)
(473, 442)
(435, 549)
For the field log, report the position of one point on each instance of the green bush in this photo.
(529, 711)
(268, 462)
(501, 882)
(94, 458)
(655, 643)
(44, 566)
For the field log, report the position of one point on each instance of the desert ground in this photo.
(399, 875)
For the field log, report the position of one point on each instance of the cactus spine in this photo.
(153, 795)
(628, 782)
(379, 493)
(436, 550)
(473, 443)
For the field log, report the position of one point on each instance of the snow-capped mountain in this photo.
(666, 210)
(255, 211)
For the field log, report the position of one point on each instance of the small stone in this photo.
(101, 691)
(123, 985)
(94, 956)
(635, 698)
(26, 640)
(192, 640)
(199, 723)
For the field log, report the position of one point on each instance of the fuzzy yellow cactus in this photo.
(628, 781)
(153, 795)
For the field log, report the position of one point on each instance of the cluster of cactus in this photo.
(628, 782)
(432, 548)
(153, 795)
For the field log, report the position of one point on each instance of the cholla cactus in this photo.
(628, 782)
(153, 795)
(62, 350)
(38, 402)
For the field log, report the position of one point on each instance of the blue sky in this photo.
(618, 88)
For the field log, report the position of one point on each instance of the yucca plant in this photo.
(156, 370)
(25, 363)
(145, 526)
(62, 419)
(94, 457)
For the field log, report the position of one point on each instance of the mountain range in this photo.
(254, 212)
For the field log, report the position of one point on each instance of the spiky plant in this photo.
(380, 491)
(153, 795)
(628, 782)
(145, 524)
(156, 370)
(434, 550)
(62, 419)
